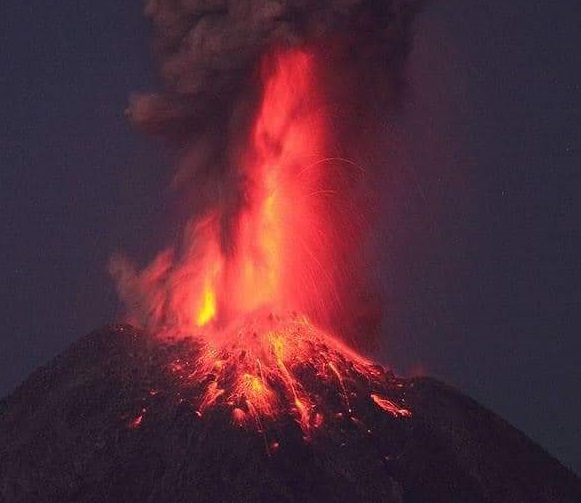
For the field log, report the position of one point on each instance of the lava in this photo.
(254, 293)
(267, 366)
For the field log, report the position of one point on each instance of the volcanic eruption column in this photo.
(275, 108)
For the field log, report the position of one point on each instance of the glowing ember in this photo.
(137, 420)
(389, 406)
(258, 359)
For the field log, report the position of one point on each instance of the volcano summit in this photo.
(116, 418)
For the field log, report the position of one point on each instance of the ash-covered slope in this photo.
(107, 422)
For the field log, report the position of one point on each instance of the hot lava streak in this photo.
(244, 271)
(267, 366)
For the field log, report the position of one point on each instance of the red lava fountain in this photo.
(239, 296)
(277, 232)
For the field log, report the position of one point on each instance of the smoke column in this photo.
(213, 56)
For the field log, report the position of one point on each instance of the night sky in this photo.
(481, 271)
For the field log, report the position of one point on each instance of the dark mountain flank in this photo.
(109, 420)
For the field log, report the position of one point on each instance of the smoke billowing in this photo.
(214, 58)
(207, 50)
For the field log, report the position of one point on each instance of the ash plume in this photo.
(207, 49)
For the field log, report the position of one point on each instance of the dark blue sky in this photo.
(482, 271)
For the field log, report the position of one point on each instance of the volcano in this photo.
(116, 418)
(242, 384)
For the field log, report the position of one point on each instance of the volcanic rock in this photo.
(108, 421)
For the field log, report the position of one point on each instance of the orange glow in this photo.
(390, 407)
(208, 310)
(259, 372)
(278, 249)
(281, 233)
(240, 300)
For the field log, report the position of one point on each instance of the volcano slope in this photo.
(110, 420)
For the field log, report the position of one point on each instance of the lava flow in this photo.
(267, 366)
(245, 271)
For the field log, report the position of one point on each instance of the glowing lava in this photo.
(267, 366)
(277, 246)
(239, 296)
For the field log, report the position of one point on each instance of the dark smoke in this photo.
(207, 49)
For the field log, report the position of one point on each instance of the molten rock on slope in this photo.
(119, 418)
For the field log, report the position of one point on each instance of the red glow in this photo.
(280, 253)
(240, 299)
(389, 406)
(276, 240)
(137, 420)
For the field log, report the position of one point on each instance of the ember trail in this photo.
(247, 289)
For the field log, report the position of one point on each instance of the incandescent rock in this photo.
(106, 422)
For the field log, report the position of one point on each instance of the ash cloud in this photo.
(208, 48)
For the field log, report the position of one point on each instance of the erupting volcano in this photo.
(251, 275)
(236, 378)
